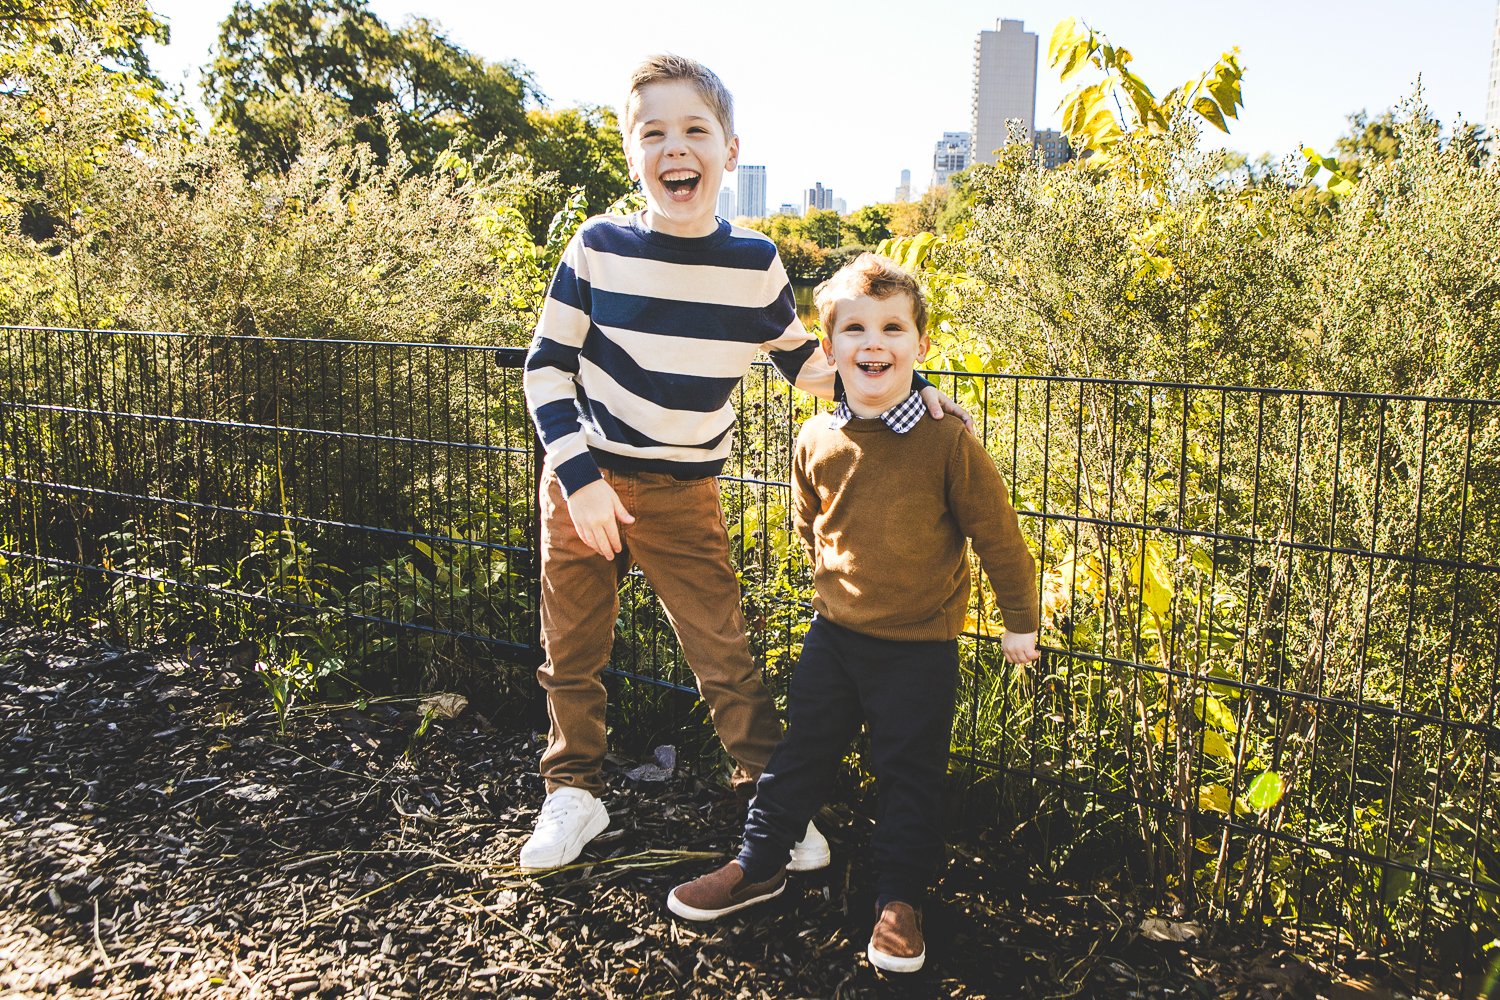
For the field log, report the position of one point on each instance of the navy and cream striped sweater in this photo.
(644, 337)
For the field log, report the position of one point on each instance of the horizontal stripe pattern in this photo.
(643, 339)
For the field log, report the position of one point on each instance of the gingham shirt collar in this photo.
(900, 418)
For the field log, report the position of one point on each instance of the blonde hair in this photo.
(877, 277)
(667, 67)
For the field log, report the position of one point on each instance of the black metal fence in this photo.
(1271, 617)
(209, 489)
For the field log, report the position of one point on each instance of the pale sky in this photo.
(849, 94)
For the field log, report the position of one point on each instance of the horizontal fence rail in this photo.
(1271, 619)
(208, 488)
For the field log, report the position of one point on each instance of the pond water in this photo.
(805, 309)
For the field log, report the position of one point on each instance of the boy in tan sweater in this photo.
(884, 501)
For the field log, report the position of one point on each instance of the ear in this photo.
(923, 345)
(635, 175)
(734, 154)
(827, 344)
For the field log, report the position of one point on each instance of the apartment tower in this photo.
(1492, 106)
(950, 154)
(1004, 87)
(752, 195)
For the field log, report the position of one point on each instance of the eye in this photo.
(854, 328)
(697, 130)
(651, 133)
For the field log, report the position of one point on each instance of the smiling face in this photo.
(677, 149)
(875, 344)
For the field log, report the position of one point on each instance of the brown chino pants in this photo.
(681, 545)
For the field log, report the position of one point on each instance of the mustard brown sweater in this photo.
(885, 516)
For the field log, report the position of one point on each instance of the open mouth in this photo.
(680, 183)
(873, 367)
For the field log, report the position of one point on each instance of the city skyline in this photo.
(859, 136)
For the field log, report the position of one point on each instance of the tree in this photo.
(1102, 114)
(822, 227)
(74, 89)
(278, 61)
(867, 226)
(582, 147)
(120, 26)
(1367, 143)
(921, 216)
(448, 96)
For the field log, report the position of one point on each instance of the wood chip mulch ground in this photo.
(160, 836)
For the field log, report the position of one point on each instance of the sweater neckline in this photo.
(670, 242)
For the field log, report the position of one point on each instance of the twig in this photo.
(194, 798)
(99, 942)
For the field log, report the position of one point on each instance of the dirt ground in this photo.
(161, 836)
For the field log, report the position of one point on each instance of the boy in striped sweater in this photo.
(651, 322)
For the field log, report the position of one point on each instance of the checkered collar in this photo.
(900, 418)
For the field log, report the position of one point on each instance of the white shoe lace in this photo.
(556, 811)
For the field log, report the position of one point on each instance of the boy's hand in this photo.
(1020, 647)
(595, 509)
(939, 402)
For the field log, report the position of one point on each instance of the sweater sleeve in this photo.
(981, 506)
(551, 376)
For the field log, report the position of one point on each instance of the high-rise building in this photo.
(1055, 148)
(903, 190)
(840, 206)
(752, 199)
(726, 203)
(1004, 87)
(949, 155)
(1492, 106)
(787, 208)
(817, 198)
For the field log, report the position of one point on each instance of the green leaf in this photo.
(1216, 746)
(1340, 185)
(1265, 791)
(1213, 712)
(1211, 113)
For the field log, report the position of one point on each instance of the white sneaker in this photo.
(810, 853)
(570, 818)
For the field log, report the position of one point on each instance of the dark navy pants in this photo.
(904, 692)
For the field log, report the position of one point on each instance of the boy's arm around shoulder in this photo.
(981, 505)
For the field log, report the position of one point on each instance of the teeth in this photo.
(874, 366)
(680, 180)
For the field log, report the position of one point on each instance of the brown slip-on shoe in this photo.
(722, 892)
(896, 944)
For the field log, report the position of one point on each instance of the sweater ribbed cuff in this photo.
(577, 472)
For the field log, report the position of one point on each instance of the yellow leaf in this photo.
(1215, 745)
(1214, 798)
(1156, 580)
